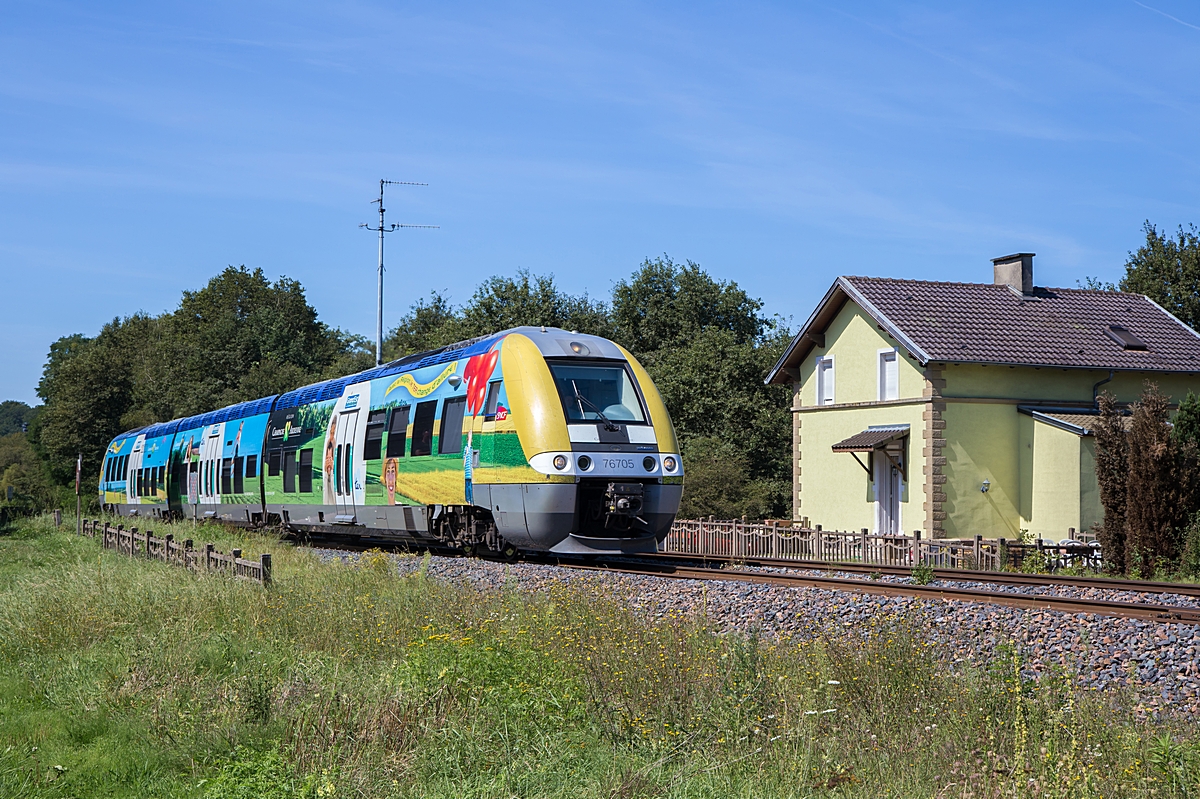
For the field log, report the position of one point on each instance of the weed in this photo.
(922, 573)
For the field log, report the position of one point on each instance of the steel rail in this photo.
(1146, 612)
(964, 575)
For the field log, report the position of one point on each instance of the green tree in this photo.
(1112, 474)
(14, 416)
(239, 338)
(499, 303)
(242, 337)
(1167, 270)
(708, 349)
(665, 304)
(1159, 492)
(24, 487)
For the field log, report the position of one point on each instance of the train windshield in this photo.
(594, 393)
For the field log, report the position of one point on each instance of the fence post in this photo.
(167, 539)
(264, 568)
(978, 551)
(1071, 533)
(208, 550)
(1001, 554)
(57, 518)
(233, 566)
(916, 546)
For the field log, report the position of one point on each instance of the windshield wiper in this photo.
(609, 425)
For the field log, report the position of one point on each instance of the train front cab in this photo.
(593, 426)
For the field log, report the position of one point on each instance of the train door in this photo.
(344, 464)
(132, 469)
(210, 469)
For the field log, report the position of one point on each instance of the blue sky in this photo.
(145, 146)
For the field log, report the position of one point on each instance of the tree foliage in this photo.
(238, 338)
(1149, 482)
(1167, 270)
(14, 417)
(704, 341)
(1112, 471)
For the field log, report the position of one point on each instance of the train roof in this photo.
(331, 389)
(230, 413)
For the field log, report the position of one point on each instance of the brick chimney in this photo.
(1015, 271)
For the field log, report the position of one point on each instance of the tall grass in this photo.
(127, 678)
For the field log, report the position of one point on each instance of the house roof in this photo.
(871, 439)
(994, 324)
(1074, 421)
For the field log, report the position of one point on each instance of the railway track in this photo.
(694, 567)
(959, 575)
(659, 566)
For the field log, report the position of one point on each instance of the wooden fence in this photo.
(741, 539)
(146, 545)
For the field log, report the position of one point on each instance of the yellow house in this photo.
(964, 409)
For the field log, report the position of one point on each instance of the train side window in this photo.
(373, 448)
(337, 470)
(121, 474)
(273, 461)
(450, 437)
(239, 472)
(397, 432)
(306, 472)
(289, 471)
(139, 483)
(422, 443)
(493, 399)
(251, 466)
(227, 475)
(108, 470)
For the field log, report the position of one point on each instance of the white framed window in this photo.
(825, 380)
(889, 374)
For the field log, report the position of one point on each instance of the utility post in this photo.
(382, 229)
(78, 497)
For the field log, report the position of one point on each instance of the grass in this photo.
(121, 678)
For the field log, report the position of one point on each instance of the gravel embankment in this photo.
(1161, 660)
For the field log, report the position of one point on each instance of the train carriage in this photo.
(533, 438)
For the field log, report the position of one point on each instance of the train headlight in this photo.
(560, 462)
(669, 463)
(584, 463)
(649, 463)
(579, 348)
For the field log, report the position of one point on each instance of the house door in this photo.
(889, 486)
(344, 465)
(210, 469)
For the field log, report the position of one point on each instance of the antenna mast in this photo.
(382, 229)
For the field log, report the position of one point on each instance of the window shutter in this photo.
(889, 378)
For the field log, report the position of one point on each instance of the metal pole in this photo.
(379, 320)
(78, 498)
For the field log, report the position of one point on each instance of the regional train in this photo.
(534, 439)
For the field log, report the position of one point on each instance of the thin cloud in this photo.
(1168, 16)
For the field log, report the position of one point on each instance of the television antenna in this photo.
(381, 230)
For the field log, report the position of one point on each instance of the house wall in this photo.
(1045, 384)
(830, 488)
(854, 341)
(1091, 512)
(834, 490)
(981, 444)
(1057, 482)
